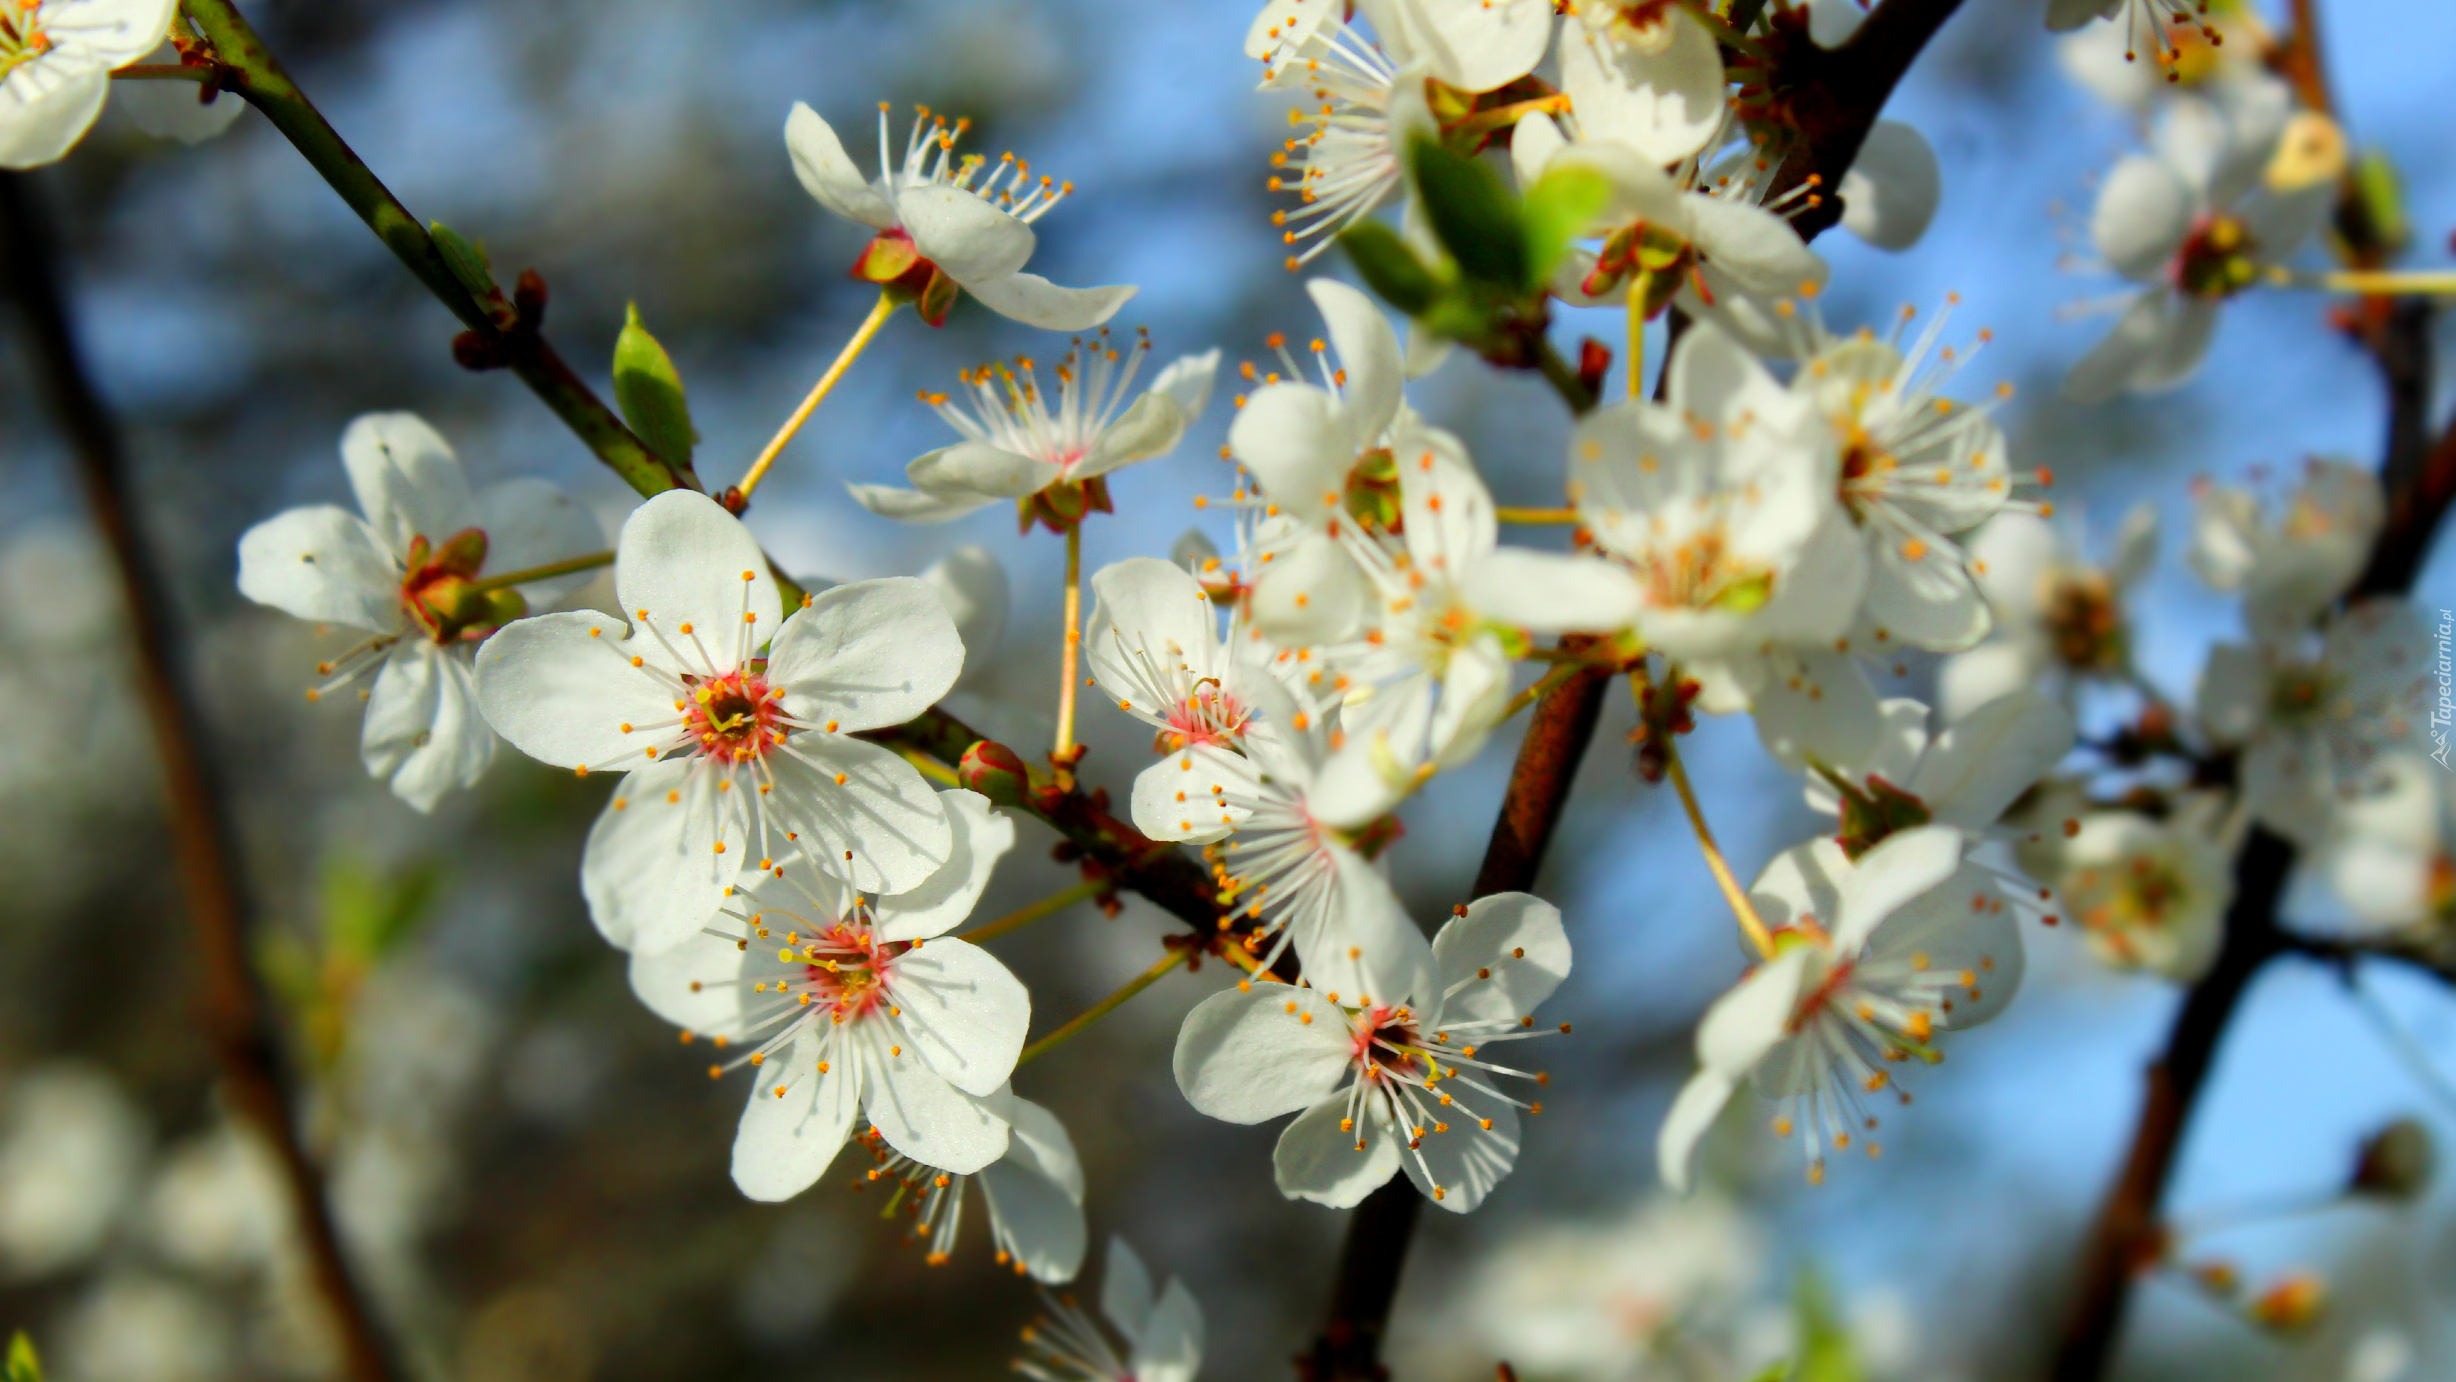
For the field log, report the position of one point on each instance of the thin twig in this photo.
(230, 1002)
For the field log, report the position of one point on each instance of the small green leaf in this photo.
(649, 391)
(1472, 215)
(1389, 267)
(1826, 1353)
(2382, 195)
(23, 1365)
(367, 914)
(1775, 1371)
(1559, 208)
(467, 261)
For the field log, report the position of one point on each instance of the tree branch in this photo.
(230, 1005)
(249, 69)
(1832, 97)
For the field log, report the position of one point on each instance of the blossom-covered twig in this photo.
(229, 999)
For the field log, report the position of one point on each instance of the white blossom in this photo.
(2059, 618)
(2292, 567)
(1406, 1083)
(405, 574)
(56, 58)
(2195, 222)
(2392, 858)
(1645, 75)
(851, 1006)
(1872, 961)
(2150, 894)
(2314, 714)
(735, 729)
(71, 1150)
(1966, 776)
(937, 213)
(171, 110)
(1016, 446)
(2213, 51)
(1163, 1331)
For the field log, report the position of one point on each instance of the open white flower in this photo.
(1871, 961)
(736, 729)
(851, 1007)
(2150, 894)
(1706, 238)
(2292, 568)
(2392, 860)
(1918, 468)
(2314, 723)
(2059, 618)
(2196, 222)
(1163, 1332)
(1034, 1194)
(56, 58)
(2162, 27)
(1156, 648)
(943, 225)
(171, 110)
(1405, 1083)
(2212, 51)
(1309, 826)
(1723, 505)
(1966, 776)
(1017, 447)
(408, 573)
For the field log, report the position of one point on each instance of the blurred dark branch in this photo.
(2344, 953)
(1832, 97)
(248, 68)
(2420, 479)
(230, 1004)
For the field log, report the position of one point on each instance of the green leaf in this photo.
(1559, 208)
(23, 1365)
(1775, 1371)
(2382, 195)
(649, 391)
(367, 915)
(1389, 267)
(467, 261)
(1472, 215)
(1826, 1353)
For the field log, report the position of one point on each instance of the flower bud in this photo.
(996, 772)
(2395, 1162)
(2291, 1306)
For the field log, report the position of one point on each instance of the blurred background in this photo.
(531, 1170)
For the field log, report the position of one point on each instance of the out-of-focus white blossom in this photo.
(56, 58)
(2290, 567)
(1163, 1331)
(70, 1155)
(2151, 894)
(2060, 619)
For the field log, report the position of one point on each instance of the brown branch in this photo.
(230, 1004)
(1831, 98)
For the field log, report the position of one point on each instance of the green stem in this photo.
(249, 69)
(1564, 379)
(547, 572)
(1106, 1005)
(1047, 907)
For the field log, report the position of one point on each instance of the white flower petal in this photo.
(1295, 439)
(1982, 764)
(929, 1118)
(1316, 1160)
(1366, 946)
(1467, 1161)
(684, 560)
(866, 655)
(882, 828)
(1310, 593)
(1907, 865)
(1448, 514)
(1188, 379)
(39, 125)
(976, 469)
(529, 523)
(1151, 427)
(561, 687)
(692, 985)
(1036, 1220)
(1174, 800)
(2143, 212)
(1244, 1057)
(1551, 592)
(972, 585)
(1692, 1115)
(407, 480)
(1368, 352)
(982, 836)
(1169, 1346)
(962, 233)
(1815, 703)
(1946, 931)
(828, 173)
(324, 564)
(913, 506)
(1035, 301)
(649, 871)
(784, 1145)
(1890, 193)
(1752, 248)
(966, 1013)
(1501, 959)
(170, 110)
(1659, 91)
(1126, 1296)
(423, 729)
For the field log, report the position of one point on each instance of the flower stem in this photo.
(1516, 515)
(2372, 282)
(1733, 893)
(819, 391)
(161, 72)
(1106, 1005)
(1067, 660)
(1499, 116)
(1641, 285)
(550, 570)
(1047, 907)
(930, 767)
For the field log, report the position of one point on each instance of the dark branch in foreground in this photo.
(230, 1004)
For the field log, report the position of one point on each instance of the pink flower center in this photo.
(1383, 1042)
(849, 970)
(1209, 716)
(737, 716)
